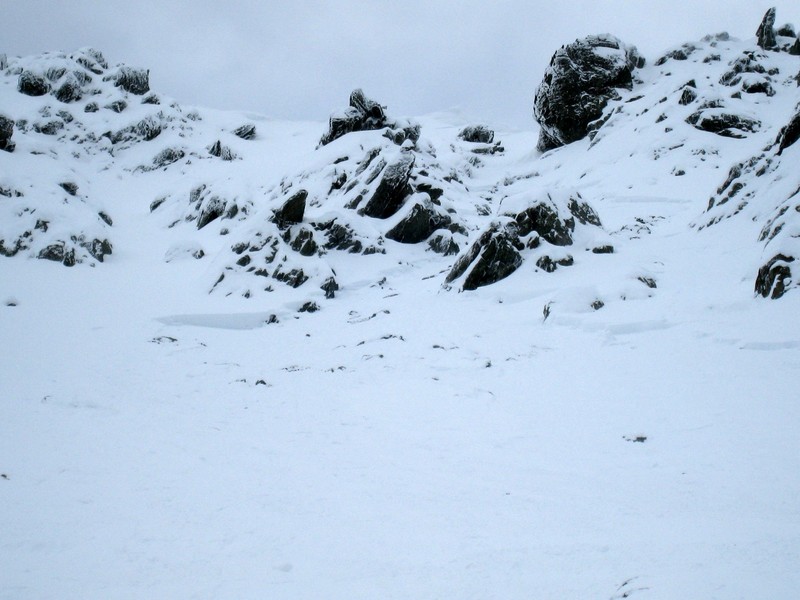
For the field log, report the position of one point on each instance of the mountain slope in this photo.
(393, 357)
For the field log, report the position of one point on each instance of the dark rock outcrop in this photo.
(773, 277)
(789, 134)
(419, 224)
(292, 210)
(392, 190)
(363, 114)
(766, 31)
(494, 256)
(479, 134)
(31, 84)
(246, 132)
(581, 79)
(6, 131)
(134, 81)
(220, 151)
(723, 123)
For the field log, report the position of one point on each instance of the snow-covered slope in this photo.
(403, 357)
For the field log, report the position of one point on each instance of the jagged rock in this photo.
(304, 243)
(773, 277)
(147, 129)
(134, 81)
(794, 49)
(50, 127)
(6, 131)
(92, 107)
(766, 31)
(722, 123)
(246, 132)
(117, 106)
(418, 225)
(167, 156)
(363, 114)
(340, 237)
(543, 218)
(93, 60)
(31, 84)
(58, 253)
(151, 99)
(789, 134)
(682, 53)
(99, 249)
(477, 133)
(494, 256)
(444, 244)
(69, 91)
(330, 287)
(688, 96)
(581, 79)
(786, 30)
(220, 151)
(70, 187)
(293, 278)
(392, 190)
(292, 210)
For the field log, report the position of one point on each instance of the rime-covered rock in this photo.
(581, 79)
(773, 278)
(480, 134)
(220, 151)
(246, 132)
(32, 84)
(727, 124)
(419, 224)
(392, 190)
(493, 256)
(766, 31)
(363, 114)
(134, 81)
(6, 131)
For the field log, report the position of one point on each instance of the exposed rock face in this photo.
(292, 210)
(392, 190)
(789, 134)
(766, 31)
(581, 79)
(723, 123)
(6, 131)
(246, 132)
(134, 81)
(494, 256)
(363, 114)
(31, 84)
(773, 277)
(419, 224)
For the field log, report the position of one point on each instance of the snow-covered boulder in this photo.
(365, 114)
(581, 79)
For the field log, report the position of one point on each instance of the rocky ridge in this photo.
(378, 190)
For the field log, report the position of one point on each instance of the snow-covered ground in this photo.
(407, 440)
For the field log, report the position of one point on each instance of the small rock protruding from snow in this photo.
(246, 132)
(479, 134)
(581, 79)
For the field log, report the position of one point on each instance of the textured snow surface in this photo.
(624, 426)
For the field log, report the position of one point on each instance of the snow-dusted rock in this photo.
(581, 79)
(766, 31)
(6, 131)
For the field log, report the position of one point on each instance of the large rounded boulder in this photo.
(581, 79)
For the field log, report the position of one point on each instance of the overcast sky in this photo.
(300, 59)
